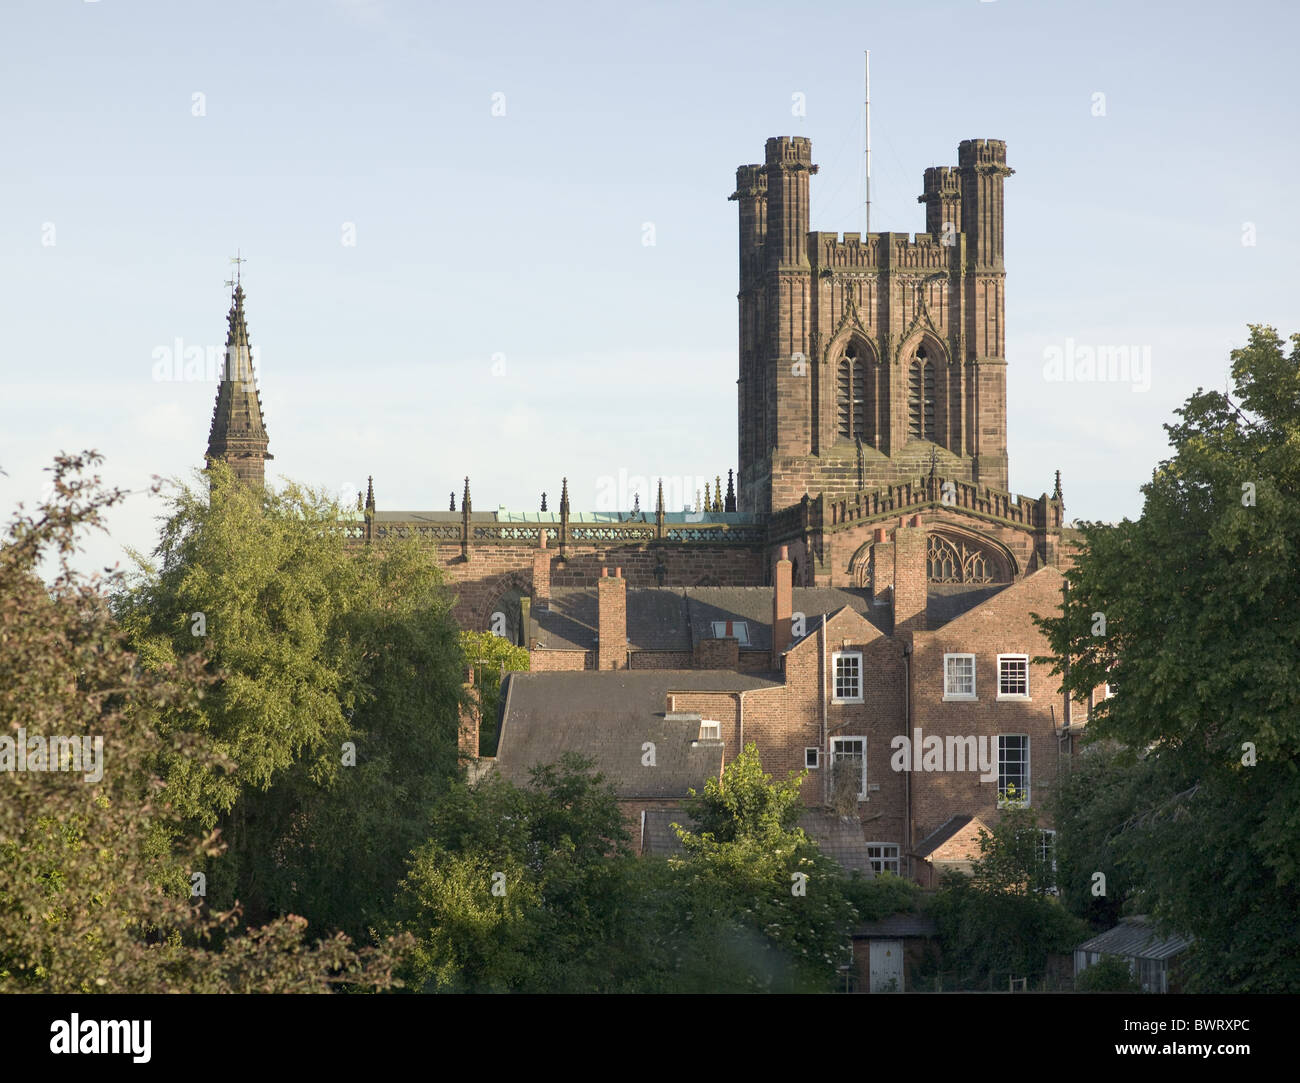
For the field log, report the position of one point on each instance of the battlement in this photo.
(751, 183)
(788, 150)
(880, 251)
(942, 180)
(972, 153)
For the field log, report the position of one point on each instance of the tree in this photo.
(523, 889)
(1110, 975)
(1016, 858)
(491, 656)
(782, 907)
(1190, 613)
(89, 899)
(335, 691)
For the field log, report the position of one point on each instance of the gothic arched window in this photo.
(851, 396)
(920, 397)
(844, 400)
(954, 561)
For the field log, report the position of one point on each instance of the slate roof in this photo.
(938, 837)
(1135, 938)
(608, 716)
(676, 618)
(897, 925)
(839, 839)
(656, 619)
(948, 601)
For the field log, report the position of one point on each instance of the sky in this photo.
(494, 239)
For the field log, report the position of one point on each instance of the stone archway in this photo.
(503, 598)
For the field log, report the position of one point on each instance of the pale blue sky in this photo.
(521, 235)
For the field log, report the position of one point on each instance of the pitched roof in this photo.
(947, 601)
(608, 716)
(938, 837)
(1030, 583)
(676, 618)
(1135, 938)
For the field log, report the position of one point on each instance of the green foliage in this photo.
(579, 913)
(752, 870)
(1103, 791)
(882, 895)
(91, 898)
(1200, 639)
(491, 657)
(1012, 860)
(335, 697)
(1110, 975)
(556, 854)
(988, 936)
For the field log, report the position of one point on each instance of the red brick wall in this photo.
(1001, 625)
(910, 586)
(492, 570)
(611, 644)
(722, 653)
(551, 661)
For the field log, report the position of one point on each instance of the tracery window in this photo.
(948, 561)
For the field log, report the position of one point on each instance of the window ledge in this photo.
(1023, 699)
(960, 699)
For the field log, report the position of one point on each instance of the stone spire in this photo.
(730, 504)
(238, 433)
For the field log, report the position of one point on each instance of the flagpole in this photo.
(868, 109)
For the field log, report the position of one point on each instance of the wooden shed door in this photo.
(886, 966)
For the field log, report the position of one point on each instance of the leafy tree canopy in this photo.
(1191, 614)
(89, 899)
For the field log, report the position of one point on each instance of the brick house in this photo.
(663, 686)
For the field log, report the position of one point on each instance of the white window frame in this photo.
(884, 861)
(835, 676)
(1013, 658)
(710, 730)
(1026, 795)
(739, 631)
(948, 694)
(812, 758)
(836, 742)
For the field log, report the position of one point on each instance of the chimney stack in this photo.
(542, 575)
(611, 600)
(782, 606)
(910, 589)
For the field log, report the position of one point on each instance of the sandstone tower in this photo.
(238, 433)
(866, 360)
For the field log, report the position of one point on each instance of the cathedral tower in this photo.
(866, 359)
(238, 433)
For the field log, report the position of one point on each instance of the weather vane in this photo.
(236, 259)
